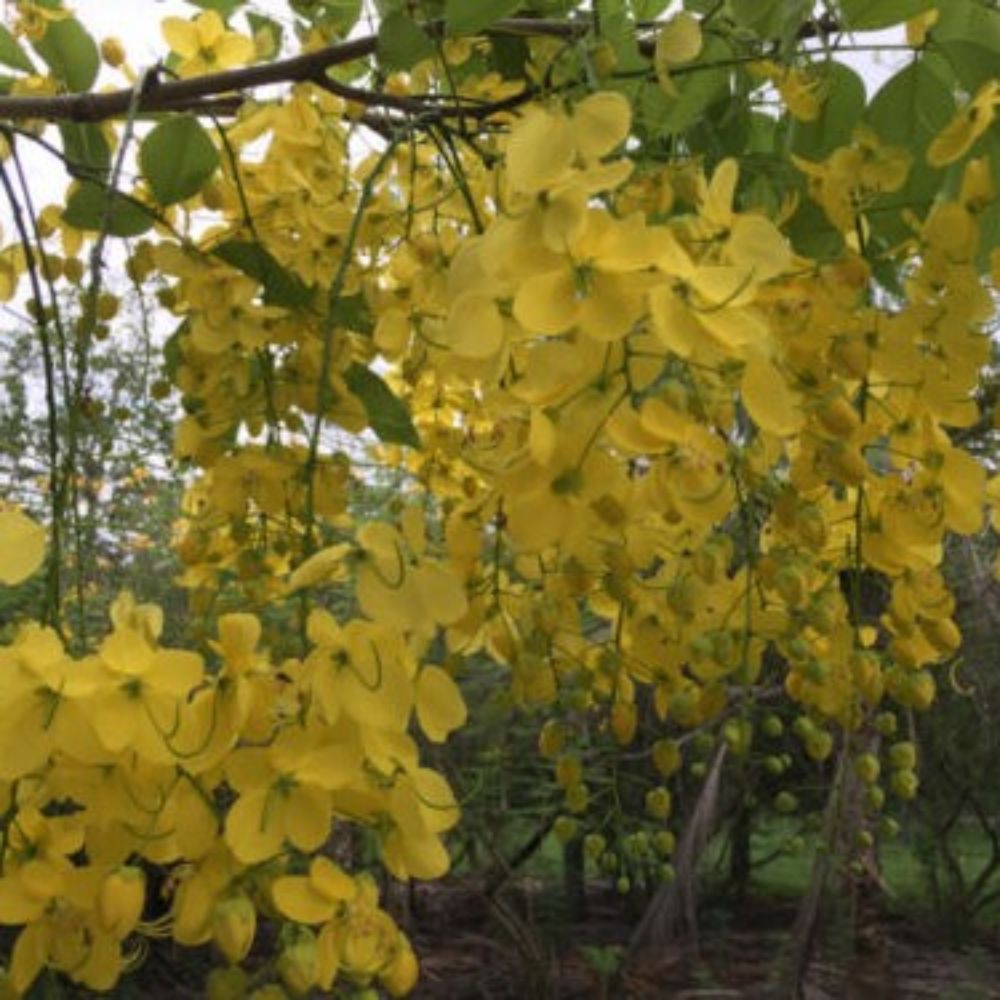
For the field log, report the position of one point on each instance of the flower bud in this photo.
(120, 900)
(401, 975)
(234, 924)
(113, 52)
(297, 964)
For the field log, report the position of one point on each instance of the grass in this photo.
(782, 865)
(786, 872)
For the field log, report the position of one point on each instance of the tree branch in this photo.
(213, 93)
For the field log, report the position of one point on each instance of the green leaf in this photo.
(510, 56)
(388, 415)
(70, 53)
(87, 153)
(870, 15)
(763, 16)
(465, 18)
(811, 233)
(911, 108)
(267, 25)
(840, 115)
(11, 53)
(281, 287)
(342, 15)
(648, 10)
(402, 43)
(177, 159)
(351, 312)
(908, 111)
(698, 90)
(968, 35)
(87, 208)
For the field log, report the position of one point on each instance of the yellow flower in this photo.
(204, 44)
(33, 19)
(23, 544)
(957, 137)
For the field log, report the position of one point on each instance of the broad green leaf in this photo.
(71, 54)
(811, 233)
(336, 15)
(969, 36)
(908, 111)
(911, 108)
(648, 10)
(464, 18)
(177, 159)
(87, 153)
(617, 27)
(11, 53)
(402, 43)
(352, 312)
(259, 24)
(870, 15)
(697, 90)
(510, 56)
(281, 287)
(839, 116)
(388, 415)
(87, 208)
(766, 17)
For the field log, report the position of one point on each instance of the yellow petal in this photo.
(442, 593)
(234, 50)
(767, 398)
(673, 322)
(210, 28)
(539, 150)
(679, 40)
(440, 706)
(252, 830)
(330, 880)
(318, 567)
(308, 814)
(755, 242)
(600, 123)
(22, 546)
(475, 327)
(181, 36)
(542, 437)
(296, 899)
(547, 303)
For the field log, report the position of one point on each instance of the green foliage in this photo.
(177, 159)
(281, 288)
(11, 53)
(402, 42)
(464, 18)
(843, 107)
(70, 53)
(968, 35)
(91, 206)
(86, 149)
(388, 415)
(871, 15)
(664, 115)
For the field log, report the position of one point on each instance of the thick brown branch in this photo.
(214, 92)
(190, 94)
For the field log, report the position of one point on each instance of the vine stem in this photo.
(53, 589)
